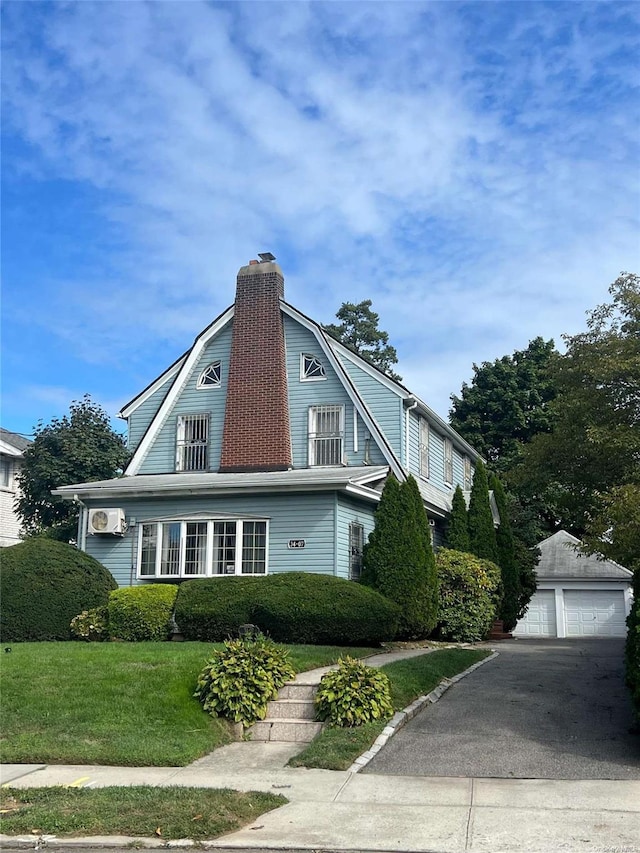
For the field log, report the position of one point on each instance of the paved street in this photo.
(554, 709)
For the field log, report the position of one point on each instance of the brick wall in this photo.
(256, 434)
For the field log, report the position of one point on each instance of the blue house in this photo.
(264, 448)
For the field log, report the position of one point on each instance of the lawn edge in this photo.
(401, 718)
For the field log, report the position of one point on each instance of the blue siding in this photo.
(161, 458)
(327, 391)
(385, 405)
(138, 422)
(349, 511)
(291, 516)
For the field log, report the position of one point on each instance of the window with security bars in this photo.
(202, 548)
(424, 447)
(326, 435)
(192, 443)
(356, 548)
(448, 461)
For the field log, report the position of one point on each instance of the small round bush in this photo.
(43, 585)
(240, 679)
(353, 694)
(470, 593)
(139, 613)
(91, 625)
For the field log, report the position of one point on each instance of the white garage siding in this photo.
(576, 611)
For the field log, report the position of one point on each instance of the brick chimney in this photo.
(256, 433)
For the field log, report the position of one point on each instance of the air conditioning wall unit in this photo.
(107, 520)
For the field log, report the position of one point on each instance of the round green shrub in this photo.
(353, 694)
(91, 625)
(139, 613)
(298, 607)
(43, 585)
(242, 677)
(212, 609)
(470, 593)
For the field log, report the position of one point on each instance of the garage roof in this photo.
(561, 559)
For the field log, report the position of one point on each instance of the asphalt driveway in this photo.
(552, 709)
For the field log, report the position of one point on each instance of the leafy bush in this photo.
(293, 607)
(632, 647)
(298, 607)
(241, 678)
(91, 625)
(142, 612)
(353, 694)
(43, 585)
(470, 593)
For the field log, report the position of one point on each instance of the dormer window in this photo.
(210, 376)
(311, 368)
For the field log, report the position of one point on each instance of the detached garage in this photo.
(578, 595)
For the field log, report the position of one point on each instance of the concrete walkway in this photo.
(346, 811)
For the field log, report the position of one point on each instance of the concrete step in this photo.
(297, 690)
(289, 731)
(291, 709)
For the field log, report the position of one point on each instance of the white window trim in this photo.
(423, 447)
(303, 376)
(159, 525)
(448, 462)
(200, 384)
(311, 441)
(467, 482)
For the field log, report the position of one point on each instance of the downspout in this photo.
(82, 526)
(406, 428)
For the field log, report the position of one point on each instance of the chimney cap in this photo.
(266, 256)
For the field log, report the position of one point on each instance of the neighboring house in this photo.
(577, 595)
(12, 446)
(264, 448)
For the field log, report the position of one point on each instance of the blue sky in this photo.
(471, 168)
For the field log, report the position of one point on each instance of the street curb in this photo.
(401, 718)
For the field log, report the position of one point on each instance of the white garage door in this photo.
(540, 618)
(594, 613)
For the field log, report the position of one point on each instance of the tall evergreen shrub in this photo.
(511, 586)
(482, 534)
(398, 561)
(458, 528)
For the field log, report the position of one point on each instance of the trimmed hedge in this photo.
(470, 594)
(43, 585)
(139, 613)
(293, 607)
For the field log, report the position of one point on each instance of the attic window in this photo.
(210, 376)
(311, 368)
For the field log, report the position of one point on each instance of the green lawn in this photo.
(337, 748)
(116, 703)
(164, 813)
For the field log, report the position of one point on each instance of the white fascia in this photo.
(9, 449)
(350, 388)
(172, 371)
(178, 384)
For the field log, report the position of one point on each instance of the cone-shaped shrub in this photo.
(511, 588)
(398, 560)
(482, 534)
(458, 527)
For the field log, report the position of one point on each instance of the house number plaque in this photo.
(296, 543)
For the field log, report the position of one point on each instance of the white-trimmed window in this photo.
(311, 368)
(192, 442)
(183, 549)
(210, 376)
(424, 447)
(467, 473)
(356, 548)
(448, 461)
(326, 435)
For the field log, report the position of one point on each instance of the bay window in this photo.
(202, 548)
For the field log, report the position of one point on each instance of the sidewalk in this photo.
(345, 811)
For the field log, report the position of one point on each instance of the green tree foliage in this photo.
(458, 527)
(358, 330)
(632, 647)
(594, 448)
(470, 592)
(482, 533)
(507, 402)
(398, 559)
(511, 586)
(77, 448)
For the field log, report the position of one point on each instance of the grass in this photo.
(337, 748)
(167, 813)
(116, 703)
